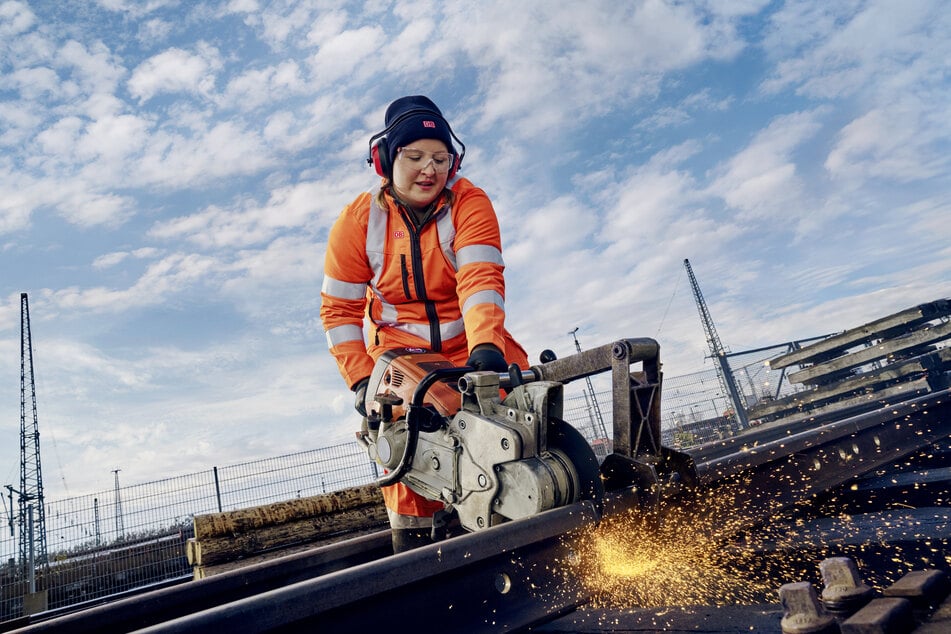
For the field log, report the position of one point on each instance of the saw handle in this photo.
(507, 380)
(419, 416)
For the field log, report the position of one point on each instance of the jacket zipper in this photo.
(404, 272)
(435, 336)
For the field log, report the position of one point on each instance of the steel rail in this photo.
(762, 445)
(895, 430)
(508, 577)
(130, 613)
(504, 578)
(794, 468)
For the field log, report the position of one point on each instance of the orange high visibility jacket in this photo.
(438, 287)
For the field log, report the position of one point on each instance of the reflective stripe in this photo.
(452, 329)
(389, 315)
(446, 330)
(376, 238)
(398, 520)
(478, 253)
(343, 334)
(376, 241)
(483, 297)
(446, 231)
(343, 290)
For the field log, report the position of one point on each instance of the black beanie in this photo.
(416, 117)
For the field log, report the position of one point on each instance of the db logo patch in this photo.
(399, 234)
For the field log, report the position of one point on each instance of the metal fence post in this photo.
(217, 488)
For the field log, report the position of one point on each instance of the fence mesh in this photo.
(114, 541)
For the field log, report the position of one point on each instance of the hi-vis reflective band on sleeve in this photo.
(343, 290)
(483, 297)
(478, 253)
(343, 334)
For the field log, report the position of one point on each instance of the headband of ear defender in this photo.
(410, 119)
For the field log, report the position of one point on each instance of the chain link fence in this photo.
(111, 542)
(115, 541)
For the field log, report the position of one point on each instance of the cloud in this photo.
(641, 208)
(838, 49)
(90, 208)
(580, 61)
(137, 8)
(35, 82)
(176, 71)
(17, 122)
(155, 30)
(257, 87)
(279, 23)
(247, 223)
(762, 179)
(345, 54)
(225, 149)
(113, 138)
(19, 195)
(15, 18)
(92, 67)
(683, 112)
(109, 260)
(889, 143)
(173, 274)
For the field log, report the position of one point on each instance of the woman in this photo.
(420, 257)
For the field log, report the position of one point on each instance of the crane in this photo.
(592, 403)
(717, 351)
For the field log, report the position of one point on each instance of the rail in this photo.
(506, 577)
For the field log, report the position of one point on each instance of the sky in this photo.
(169, 171)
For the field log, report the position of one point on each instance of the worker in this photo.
(420, 257)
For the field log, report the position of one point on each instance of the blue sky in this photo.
(169, 171)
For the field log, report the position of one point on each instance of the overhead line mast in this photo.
(717, 351)
(32, 508)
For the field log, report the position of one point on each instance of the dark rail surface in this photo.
(504, 578)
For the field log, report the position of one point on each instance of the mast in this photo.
(32, 508)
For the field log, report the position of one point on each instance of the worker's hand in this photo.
(486, 357)
(360, 390)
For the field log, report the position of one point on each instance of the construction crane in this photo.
(717, 351)
(31, 519)
(594, 408)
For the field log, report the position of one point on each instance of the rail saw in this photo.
(494, 447)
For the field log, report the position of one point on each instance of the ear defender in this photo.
(379, 156)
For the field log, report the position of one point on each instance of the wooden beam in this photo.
(211, 551)
(231, 523)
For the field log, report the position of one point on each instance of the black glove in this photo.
(360, 390)
(486, 357)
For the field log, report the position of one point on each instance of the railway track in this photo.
(518, 576)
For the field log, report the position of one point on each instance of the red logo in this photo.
(429, 124)
(399, 234)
